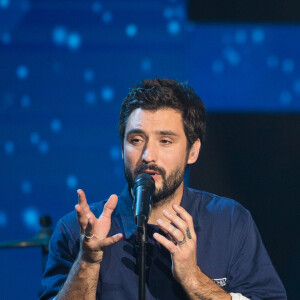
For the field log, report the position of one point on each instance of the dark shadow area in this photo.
(254, 159)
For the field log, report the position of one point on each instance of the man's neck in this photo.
(157, 211)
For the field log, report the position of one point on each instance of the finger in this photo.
(111, 240)
(177, 221)
(190, 231)
(165, 242)
(81, 217)
(109, 207)
(82, 201)
(176, 234)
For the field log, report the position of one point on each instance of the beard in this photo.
(169, 186)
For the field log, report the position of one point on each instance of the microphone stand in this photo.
(142, 241)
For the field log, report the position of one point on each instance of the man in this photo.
(200, 246)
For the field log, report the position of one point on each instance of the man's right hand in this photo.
(94, 231)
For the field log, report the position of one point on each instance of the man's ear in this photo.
(194, 152)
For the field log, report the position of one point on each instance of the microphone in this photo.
(143, 189)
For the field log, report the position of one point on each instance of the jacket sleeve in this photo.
(63, 251)
(251, 271)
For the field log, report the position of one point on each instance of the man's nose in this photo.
(150, 153)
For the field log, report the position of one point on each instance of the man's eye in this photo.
(166, 142)
(135, 141)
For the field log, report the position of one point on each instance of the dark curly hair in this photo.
(166, 93)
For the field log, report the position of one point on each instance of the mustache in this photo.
(155, 168)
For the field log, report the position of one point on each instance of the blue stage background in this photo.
(65, 67)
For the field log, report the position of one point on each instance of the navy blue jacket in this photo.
(229, 251)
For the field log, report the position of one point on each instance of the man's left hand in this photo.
(182, 244)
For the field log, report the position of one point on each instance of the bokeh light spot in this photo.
(146, 65)
(44, 147)
(56, 125)
(31, 218)
(115, 153)
(26, 187)
(296, 86)
(258, 36)
(59, 35)
(74, 41)
(22, 72)
(131, 30)
(88, 75)
(72, 181)
(6, 38)
(107, 17)
(4, 3)
(96, 6)
(34, 138)
(240, 36)
(288, 66)
(174, 27)
(25, 101)
(232, 56)
(285, 97)
(3, 219)
(90, 97)
(9, 147)
(107, 94)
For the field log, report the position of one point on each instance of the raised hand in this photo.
(182, 243)
(94, 230)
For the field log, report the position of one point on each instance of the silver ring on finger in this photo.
(182, 241)
(90, 237)
(173, 230)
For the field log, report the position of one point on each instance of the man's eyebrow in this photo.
(166, 132)
(135, 131)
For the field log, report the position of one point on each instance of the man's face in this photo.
(155, 143)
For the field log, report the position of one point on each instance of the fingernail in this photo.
(155, 235)
(166, 212)
(176, 205)
(160, 221)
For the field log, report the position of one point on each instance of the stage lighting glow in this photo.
(288, 66)
(22, 72)
(26, 187)
(258, 36)
(3, 219)
(240, 37)
(96, 6)
(56, 125)
(296, 86)
(146, 65)
(107, 94)
(72, 181)
(285, 97)
(131, 30)
(9, 147)
(107, 17)
(88, 75)
(174, 27)
(43, 147)
(115, 153)
(232, 56)
(6, 38)
(4, 3)
(90, 97)
(59, 35)
(74, 41)
(34, 138)
(25, 101)
(31, 218)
